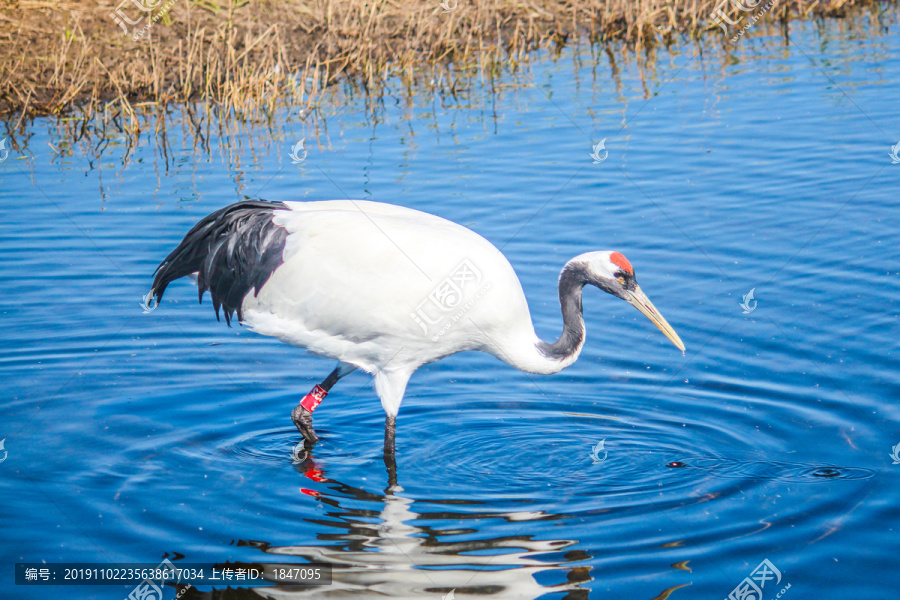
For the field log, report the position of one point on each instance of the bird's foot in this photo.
(302, 418)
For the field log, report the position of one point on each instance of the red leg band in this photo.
(314, 398)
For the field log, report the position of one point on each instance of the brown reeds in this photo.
(245, 55)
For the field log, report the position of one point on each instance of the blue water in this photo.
(132, 436)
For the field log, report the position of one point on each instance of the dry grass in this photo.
(246, 55)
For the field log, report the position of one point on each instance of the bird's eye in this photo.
(620, 278)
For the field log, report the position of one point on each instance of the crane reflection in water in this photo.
(378, 550)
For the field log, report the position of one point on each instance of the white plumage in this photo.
(353, 274)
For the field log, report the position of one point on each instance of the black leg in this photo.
(333, 378)
(302, 415)
(302, 418)
(390, 461)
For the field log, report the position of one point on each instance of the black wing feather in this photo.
(233, 250)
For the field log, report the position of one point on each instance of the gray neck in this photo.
(566, 349)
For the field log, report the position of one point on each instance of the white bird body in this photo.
(382, 288)
(354, 272)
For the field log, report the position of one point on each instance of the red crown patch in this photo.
(622, 262)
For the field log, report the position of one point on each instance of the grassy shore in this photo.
(246, 55)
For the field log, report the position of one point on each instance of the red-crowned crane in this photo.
(382, 288)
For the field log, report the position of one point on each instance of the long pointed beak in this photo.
(640, 301)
